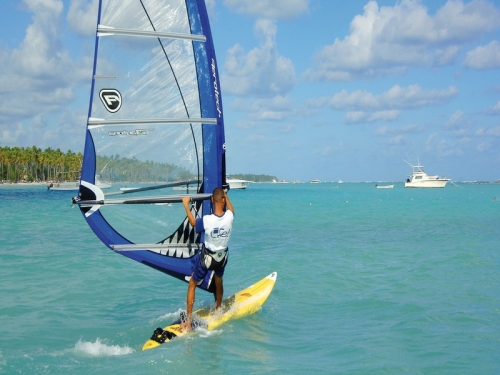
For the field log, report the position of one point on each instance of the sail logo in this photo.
(131, 132)
(216, 88)
(111, 99)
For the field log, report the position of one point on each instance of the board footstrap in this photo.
(160, 335)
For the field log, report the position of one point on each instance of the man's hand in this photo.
(185, 201)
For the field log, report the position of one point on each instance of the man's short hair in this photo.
(218, 194)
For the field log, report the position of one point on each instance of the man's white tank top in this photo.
(217, 231)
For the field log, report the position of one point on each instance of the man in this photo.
(213, 255)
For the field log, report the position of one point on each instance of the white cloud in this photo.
(257, 138)
(49, 5)
(495, 131)
(210, 4)
(286, 128)
(483, 146)
(396, 140)
(355, 117)
(260, 72)
(82, 16)
(494, 111)
(323, 151)
(382, 130)
(264, 111)
(36, 55)
(458, 124)
(484, 57)
(358, 117)
(387, 40)
(437, 145)
(388, 115)
(406, 129)
(365, 107)
(455, 120)
(38, 76)
(485, 132)
(10, 134)
(36, 70)
(495, 89)
(273, 9)
(396, 98)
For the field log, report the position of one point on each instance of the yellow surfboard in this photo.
(245, 302)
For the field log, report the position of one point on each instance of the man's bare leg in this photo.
(219, 290)
(186, 325)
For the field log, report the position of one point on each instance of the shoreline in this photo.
(27, 184)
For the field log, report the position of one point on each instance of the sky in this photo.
(312, 89)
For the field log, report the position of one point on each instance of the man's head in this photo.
(218, 195)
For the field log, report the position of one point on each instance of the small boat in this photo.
(314, 182)
(74, 185)
(420, 179)
(64, 185)
(68, 181)
(384, 186)
(127, 189)
(185, 188)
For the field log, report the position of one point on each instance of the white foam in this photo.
(206, 333)
(173, 315)
(100, 349)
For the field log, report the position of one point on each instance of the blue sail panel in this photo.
(211, 104)
(155, 124)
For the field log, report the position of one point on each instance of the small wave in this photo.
(173, 315)
(206, 333)
(100, 349)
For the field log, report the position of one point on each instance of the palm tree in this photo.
(3, 158)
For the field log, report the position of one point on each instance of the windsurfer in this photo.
(213, 255)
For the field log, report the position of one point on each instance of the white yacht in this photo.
(235, 183)
(420, 179)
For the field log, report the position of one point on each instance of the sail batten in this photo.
(143, 200)
(156, 246)
(155, 122)
(105, 30)
(154, 187)
(138, 121)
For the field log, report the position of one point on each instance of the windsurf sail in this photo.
(155, 122)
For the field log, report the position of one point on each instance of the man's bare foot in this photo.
(218, 312)
(186, 325)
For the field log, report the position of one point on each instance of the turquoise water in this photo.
(370, 281)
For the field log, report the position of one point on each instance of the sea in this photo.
(370, 281)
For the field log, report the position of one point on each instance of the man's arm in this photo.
(185, 201)
(229, 205)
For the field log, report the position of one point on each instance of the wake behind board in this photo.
(245, 302)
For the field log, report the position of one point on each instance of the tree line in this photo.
(32, 164)
(115, 169)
